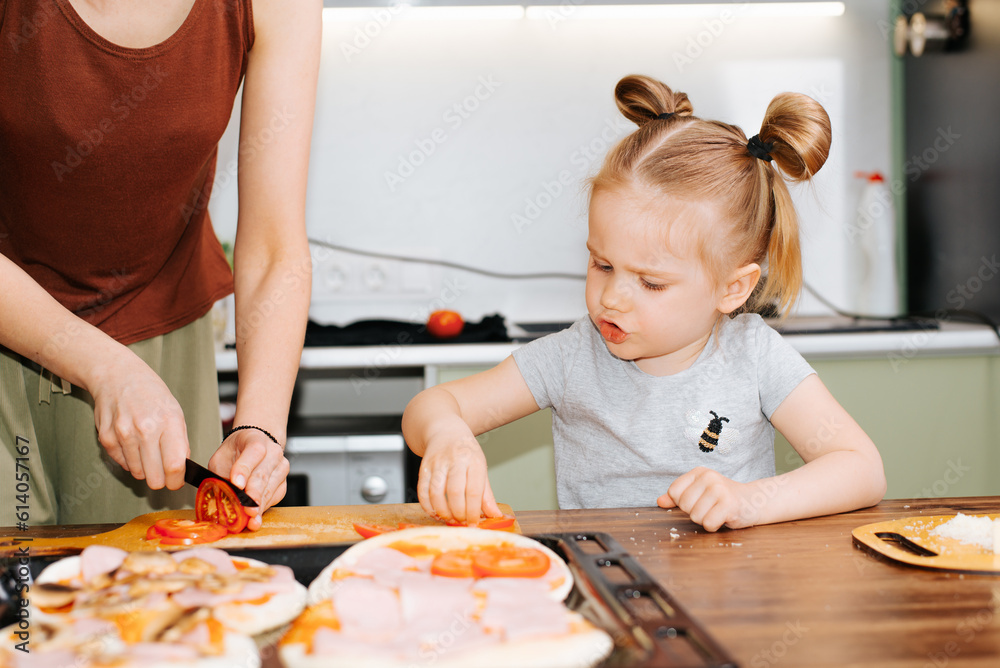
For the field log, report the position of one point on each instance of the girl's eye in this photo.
(652, 286)
(600, 267)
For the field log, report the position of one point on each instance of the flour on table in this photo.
(971, 530)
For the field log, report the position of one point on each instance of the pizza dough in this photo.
(379, 606)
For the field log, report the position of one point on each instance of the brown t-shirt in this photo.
(107, 161)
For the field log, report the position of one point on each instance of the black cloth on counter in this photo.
(491, 329)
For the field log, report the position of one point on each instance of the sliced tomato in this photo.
(410, 525)
(369, 530)
(508, 561)
(185, 532)
(216, 502)
(454, 564)
(504, 523)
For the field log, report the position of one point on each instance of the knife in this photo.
(195, 474)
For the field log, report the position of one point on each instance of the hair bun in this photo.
(799, 127)
(642, 99)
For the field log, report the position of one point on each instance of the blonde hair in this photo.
(687, 158)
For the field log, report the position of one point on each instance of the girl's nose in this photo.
(615, 295)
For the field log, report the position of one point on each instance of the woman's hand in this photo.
(255, 464)
(139, 422)
(453, 484)
(712, 500)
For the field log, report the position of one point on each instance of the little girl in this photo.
(670, 391)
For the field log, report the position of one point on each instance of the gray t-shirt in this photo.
(622, 436)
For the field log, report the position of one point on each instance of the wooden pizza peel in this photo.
(910, 541)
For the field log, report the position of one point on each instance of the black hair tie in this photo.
(664, 116)
(759, 149)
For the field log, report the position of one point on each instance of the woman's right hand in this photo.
(453, 484)
(139, 422)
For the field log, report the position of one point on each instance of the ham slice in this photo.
(384, 559)
(435, 602)
(56, 658)
(522, 612)
(98, 559)
(367, 609)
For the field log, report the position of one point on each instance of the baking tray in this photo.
(650, 629)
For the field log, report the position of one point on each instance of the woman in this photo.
(110, 116)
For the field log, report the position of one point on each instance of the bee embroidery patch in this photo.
(710, 437)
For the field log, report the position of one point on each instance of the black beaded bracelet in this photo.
(250, 426)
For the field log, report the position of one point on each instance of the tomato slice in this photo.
(185, 532)
(504, 523)
(216, 502)
(454, 564)
(508, 561)
(369, 530)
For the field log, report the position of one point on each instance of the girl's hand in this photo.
(711, 499)
(453, 484)
(139, 423)
(255, 464)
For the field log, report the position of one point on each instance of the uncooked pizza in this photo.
(194, 639)
(446, 597)
(144, 592)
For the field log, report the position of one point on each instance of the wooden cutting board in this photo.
(283, 527)
(901, 540)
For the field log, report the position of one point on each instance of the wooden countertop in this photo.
(800, 593)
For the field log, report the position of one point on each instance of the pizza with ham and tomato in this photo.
(447, 597)
(144, 593)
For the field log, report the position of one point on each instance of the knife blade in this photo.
(195, 474)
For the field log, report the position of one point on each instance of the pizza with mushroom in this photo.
(145, 592)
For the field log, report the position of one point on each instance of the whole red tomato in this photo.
(445, 324)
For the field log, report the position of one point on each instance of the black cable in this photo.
(964, 314)
(444, 263)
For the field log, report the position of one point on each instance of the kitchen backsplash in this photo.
(470, 142)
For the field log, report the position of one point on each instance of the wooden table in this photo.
(800, 593)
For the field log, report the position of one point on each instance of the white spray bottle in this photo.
(874, 238)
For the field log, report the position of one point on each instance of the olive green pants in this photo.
(52, 467)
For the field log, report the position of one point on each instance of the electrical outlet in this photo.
(348, 286)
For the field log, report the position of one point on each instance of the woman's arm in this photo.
(272, 266)
(139, 423)
(440, 424)
(843, 470)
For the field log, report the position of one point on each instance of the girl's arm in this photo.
(272, 266)
(843, 470)
(440, 424)
(139, 423)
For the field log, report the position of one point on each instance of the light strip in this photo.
(582, 11)
(404, 12)
(714, 10)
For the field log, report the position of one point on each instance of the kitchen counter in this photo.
(823, 341)
(800, 593)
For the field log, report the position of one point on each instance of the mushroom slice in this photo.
(196, 566)
(190, 618)
(146, 563)
(51, 595)
(145, 586)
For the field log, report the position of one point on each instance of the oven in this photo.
(345, 444)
